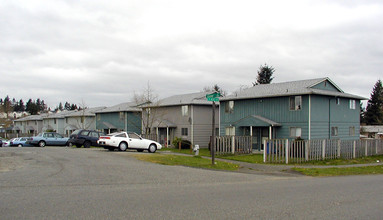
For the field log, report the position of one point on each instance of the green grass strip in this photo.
(335, 171)
(195, 161)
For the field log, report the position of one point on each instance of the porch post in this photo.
(167, 136)
(158, 138)
(251, 131)
(270, 130)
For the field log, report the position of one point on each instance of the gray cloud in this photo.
(102, 52)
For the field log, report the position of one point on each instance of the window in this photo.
(352, 131)
(184, 131)
(121, 115)
(352, 104)
(185, 110)
(337, 101)
(98, 117)
(123, 135)
(134, 136)
(334, 131)
(229, 107)
(295, 132)
(230, 131)
(295, 103)
(55, 121)
(82, 119)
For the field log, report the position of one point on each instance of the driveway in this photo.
(70, 183)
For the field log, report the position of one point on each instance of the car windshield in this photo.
(76, 132)
(40, 135)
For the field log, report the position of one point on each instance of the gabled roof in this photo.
(185, 99)
(86, 112)
(123, 107)
(61, 114)
(302, 87)
(256, 120)
(33, 117)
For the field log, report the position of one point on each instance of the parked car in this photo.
(1, 142)
(84, 138)
(128, 140)
(20, 142)
(7, 143)
(48, 138)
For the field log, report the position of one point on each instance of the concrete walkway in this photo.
(271, 169)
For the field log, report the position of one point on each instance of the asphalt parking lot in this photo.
(71, 183)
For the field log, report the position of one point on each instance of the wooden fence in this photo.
(285, 151)
(233, 145)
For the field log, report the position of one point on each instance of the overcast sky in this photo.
(101, 52)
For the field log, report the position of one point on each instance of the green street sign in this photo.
(214, 97)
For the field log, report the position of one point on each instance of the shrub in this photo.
(185, 144)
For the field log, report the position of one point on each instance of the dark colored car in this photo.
(84, 138)
(1, 143)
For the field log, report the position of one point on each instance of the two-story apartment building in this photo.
(188, 116)
(307, 109)
(122, 117)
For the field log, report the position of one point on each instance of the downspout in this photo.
(126, 121)
(309, 117)
(192, 124)
(329, 118)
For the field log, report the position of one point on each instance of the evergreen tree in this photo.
(67, 106)
(265, 74)
(60, 107)
(374, 110)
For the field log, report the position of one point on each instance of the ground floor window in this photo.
(334, 131)
(295, 132)
(352, 131)
(230, 131)
(184, 131)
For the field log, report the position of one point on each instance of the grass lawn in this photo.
(367, 170)
(202, 151)
(189, 161)
(362, 160)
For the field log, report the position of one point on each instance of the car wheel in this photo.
(140, 150)
(70, 144)
(123, 146)
(20, 145)
(87, 144)
(42, 144)
(152, 148)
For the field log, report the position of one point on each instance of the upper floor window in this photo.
(337, 100)
(352, 104)
(122, 115)
(229, 107)
(295, 102)
(185, 110)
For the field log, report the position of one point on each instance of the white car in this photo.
(127, 140)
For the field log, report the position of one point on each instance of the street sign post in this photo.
(214, 97)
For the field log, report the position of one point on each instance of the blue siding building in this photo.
(307, 109)
(121, 117)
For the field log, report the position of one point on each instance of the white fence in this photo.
(233, 145)
(285, 151)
